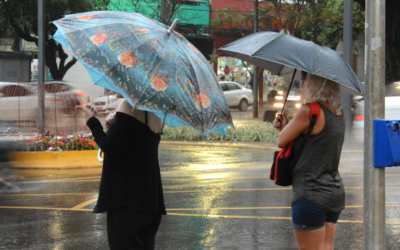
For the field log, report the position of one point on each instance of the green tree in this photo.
(22, 20)
(328, 29)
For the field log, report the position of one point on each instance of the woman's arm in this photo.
(112, 143)
(295, 127)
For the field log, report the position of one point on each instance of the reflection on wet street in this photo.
(216, 198)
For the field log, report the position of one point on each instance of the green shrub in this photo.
(263, 132)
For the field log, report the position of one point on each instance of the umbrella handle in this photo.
(99, 156)
(287, 94)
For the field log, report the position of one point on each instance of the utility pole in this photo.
(348, 57)
(42, 64)
(255, 68)
(374, 178)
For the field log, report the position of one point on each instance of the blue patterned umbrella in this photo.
(155, 70)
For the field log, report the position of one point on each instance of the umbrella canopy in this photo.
(281, 54)
(152, 68)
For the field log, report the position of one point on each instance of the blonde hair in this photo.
(319, 89)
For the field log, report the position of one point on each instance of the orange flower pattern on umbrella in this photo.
(159, 82)
(86, 18)
(100, 38)
(198, 53)
(129, 59)
(197, 101)
(155, 71)
(205, 99)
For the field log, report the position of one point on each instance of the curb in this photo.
(88, 158)
(55, 160)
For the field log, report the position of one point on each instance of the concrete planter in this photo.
(55, 160)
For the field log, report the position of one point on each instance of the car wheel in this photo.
(243, 105)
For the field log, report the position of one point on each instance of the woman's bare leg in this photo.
(330, 229)
(310, 239)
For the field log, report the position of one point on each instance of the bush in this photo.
(263, 132)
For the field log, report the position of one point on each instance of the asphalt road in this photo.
(216, 198)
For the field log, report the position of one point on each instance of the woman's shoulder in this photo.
(304, 112)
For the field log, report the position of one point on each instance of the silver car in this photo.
(19, 101)
(19, 105)
(236, 95)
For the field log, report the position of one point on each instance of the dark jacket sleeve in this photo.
(112, 143)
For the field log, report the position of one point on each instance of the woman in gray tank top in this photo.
(318, 191)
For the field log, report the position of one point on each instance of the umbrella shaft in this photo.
(287, 94)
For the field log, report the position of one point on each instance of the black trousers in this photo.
(129, 229)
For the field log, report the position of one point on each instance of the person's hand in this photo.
(280, 121)
(87, 109)
(109, 120)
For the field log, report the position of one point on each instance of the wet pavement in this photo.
(216, 198)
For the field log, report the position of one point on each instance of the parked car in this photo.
(19, 101)
(106, 104)
(236, 95)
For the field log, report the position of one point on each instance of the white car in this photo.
(392, 109)
(19, 101)
(106, 104)
(236, 95)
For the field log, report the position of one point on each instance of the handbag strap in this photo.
(315, 110)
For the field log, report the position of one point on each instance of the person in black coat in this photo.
(130, 189)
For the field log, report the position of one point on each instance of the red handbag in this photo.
(286, 159)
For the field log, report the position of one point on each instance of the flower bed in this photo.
(54, 141)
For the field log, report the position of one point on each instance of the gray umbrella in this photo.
(281, 54)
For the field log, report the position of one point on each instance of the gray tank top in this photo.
(316, 176)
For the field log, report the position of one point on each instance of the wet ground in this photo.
(216, 198)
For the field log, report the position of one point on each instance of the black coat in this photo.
(131, 173)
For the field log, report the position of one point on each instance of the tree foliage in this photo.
(290, 14)
(324, 22)
(318, 21)
(230, 17)
(21, 17)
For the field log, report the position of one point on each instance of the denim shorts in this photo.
(308, 216)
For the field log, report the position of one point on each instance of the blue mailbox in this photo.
(386, 143)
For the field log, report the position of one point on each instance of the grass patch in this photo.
(263, 132)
